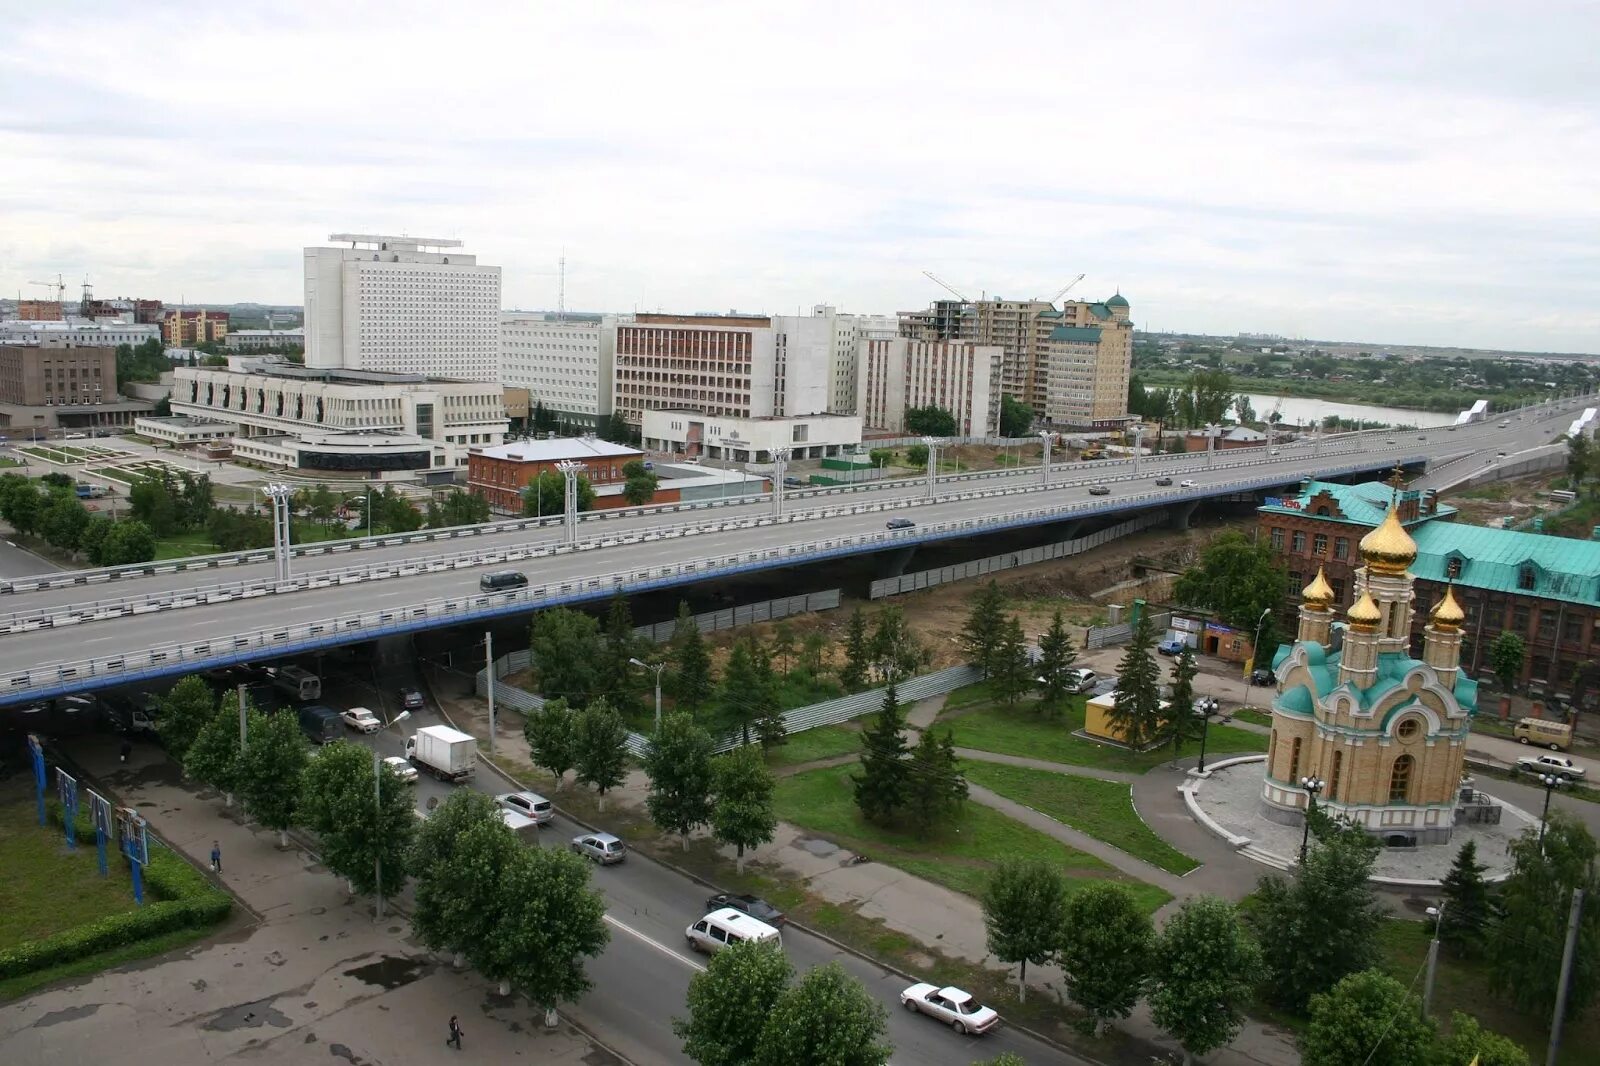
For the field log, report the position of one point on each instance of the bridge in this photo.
(59, 635)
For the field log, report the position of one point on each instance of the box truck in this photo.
(448, 754)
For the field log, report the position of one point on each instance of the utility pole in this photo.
(1437, 913)
(377, 826)
(780, 461)
(1566, 977)
(488, 654)
(1044, 470)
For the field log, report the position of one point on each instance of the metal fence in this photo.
(748, 614)
(927, 579)
(1120, 632)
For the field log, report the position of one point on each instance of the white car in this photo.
(404, 770)
(1187, 483)
(530, 805)
(1557, 765)
(361, 720)
(955, 1008)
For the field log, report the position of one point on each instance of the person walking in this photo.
(216, 857)
(127, 749)
(455, 1034)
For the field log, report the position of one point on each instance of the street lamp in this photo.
(657, 667)
(1550, 782)
(367, 514)
(1437, 914)
(1045, 468)
(1255, 653)
(280, 495)
(570, 469)
(1208, 706)
(1312, 785)
(932, 444)
(780, 462)
(1138, 443)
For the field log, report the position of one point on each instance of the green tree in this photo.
(548, 493)
(1526, 943)
(1016, 417)
(896, 652)
(783, 645)
(935, 788)
(1506, 656)
(857, 653)
(730, 1002)
(678, 762)
(213, 758)
(1239, 580)
(692, 683)
(1470, 1042)
(1181, 723)
(232, 530)
(1367, 1017)
(1025, 913)
(601, 748)
(982, 632)
(1135, 710)
(552, 735)
(640, 486)
(1012, 677)
(270, 769)
(195, 499)
(1580, 461)
(880, 787)
(917, 456)
(550, 920)
(127, 542)
(930, 420)
(185, 710)
(1323, 925)
(1204, 970)
(359, 828)
(459, 508)
(1105, 951)
(1005, 1058)
(771, 729)
(93, 538)
(63, 522)
(749, 696)
(619, 678)
(22, 505)
(1467, 907)
(1058, 660)
(827, 1018)
(457, 861)
(741, 812)
(812, 650)
(151, 501)
(567, 654)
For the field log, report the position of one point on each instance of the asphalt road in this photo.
(20, 562)
(641, 980)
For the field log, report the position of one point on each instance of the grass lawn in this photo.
(47, 888)
(184, 545)
(969, 695)
(1022, 731)
(823, 742)
(959, 855)
(1253, 716)
(1103, 809)
(4, 462)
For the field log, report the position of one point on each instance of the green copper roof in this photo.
(1363, 505)
(1050, 314)
(1100, 311)
(1076, 334)
(1507, 560)
(1392, 669)
(1117, 301)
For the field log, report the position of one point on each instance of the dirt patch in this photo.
(1515, 498)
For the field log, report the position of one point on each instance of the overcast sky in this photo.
(1417, 172)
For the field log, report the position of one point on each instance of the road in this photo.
(20, 562)
(641, 980)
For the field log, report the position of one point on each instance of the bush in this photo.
(184, 900)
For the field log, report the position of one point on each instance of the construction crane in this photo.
(930, 275)
(59, 285)
(1067, 288)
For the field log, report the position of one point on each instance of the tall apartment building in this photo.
(407, 305)
(848, 333)
(566, 363)
(741, 366)
(184, 329)
(900, 374)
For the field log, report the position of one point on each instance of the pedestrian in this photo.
(216, 857)
(455, 1034)
(127, 750)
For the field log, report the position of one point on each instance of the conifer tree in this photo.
(692, 682)
(857, 653)
(1136, 710)
(1011, 675)
(1467, 908)
(881, 786)
(935, 787)
(1057, 659)
(1181, 722)
(981, 634)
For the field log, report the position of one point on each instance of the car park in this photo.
(727, 926)
(754, 906)
(602, 848)
(402, 769)
(901, 523)
(411, 698)
(1187, 483)
(361, 720)
(529, 805)
(950, 1005)
(1163, 481)
(1558, 765)
(1099, 490)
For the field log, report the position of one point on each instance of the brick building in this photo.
(500, 474)
(57, 373)
(1545, 589)
(184, 329)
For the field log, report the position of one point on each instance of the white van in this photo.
(728, 926)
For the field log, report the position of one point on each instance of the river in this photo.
(1299, 410)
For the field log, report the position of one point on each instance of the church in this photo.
(1384, 733)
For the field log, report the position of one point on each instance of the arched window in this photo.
(1294, 761)
(1333, 777)
(1400, 780)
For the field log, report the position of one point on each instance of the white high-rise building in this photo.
(565, 364)
(848, 333)
(409, 305)
(901, 374)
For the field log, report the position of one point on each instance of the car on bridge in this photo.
(361, 720)
(1163, 481)
(900, 523)
(1188, 483)
(1099, 490)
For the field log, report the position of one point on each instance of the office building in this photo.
(848, 332)
(901, 374)
(254, 340)
(52, 381)
(185, 329)
(402, 305)
(79, 332)
(694, 434)
(565, 362)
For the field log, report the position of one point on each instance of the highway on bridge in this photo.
(126, 648)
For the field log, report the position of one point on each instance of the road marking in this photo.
(658, 945)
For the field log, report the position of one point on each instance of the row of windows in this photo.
(1401, 771)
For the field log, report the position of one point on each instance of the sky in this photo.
(1420, 173)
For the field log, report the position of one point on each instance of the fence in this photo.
(927, 579)
(1117, 633)
(749, 614)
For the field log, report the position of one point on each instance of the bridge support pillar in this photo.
(893, 564)
(1179, 515)
(394, 648)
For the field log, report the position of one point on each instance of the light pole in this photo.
(1138, 443)
(570, 469)
(657, 667)
(1312, 785)
(1437, 914)
(780, 460)
(488, 657)
(1255, 653)
(1044, 469)
(1550, 783)
(280, 495)
(367, 514)
(932, 444)
(1208, 704)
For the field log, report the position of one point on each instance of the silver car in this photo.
(602, 848)
(529, 805)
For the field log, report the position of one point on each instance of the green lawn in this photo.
(1255, 717)
(969, 695)
(959, 855)
(823, 742)
(47, 888)
(1103, 809)
(1022, 731)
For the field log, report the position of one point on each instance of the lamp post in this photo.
(780, 461)
(1312, 785)
(1550, 782)
(1208, 706)
(570, 469)
(1437, 914)
(657, 667)
(1255, 653)
(367, 514)
(1138, 443)
(932, 444)
(1044, 469)
(280, 495)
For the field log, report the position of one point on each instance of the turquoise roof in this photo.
(1052, 313)
(1117, 301)
(1392, 669)
(1561, 568)
(1100, 311)
(1365, 504)
(1076, 334)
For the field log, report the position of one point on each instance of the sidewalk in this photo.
(305, 966)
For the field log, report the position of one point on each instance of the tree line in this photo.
(49, 508)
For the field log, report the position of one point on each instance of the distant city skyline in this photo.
(1414, 174)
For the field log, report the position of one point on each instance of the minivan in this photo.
(501, 580)
(320, 724)
(720, 928)
(1557, 736)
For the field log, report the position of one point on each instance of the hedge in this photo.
(184, 899)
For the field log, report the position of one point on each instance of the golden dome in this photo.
(1364, 612)
(1389, 549)
(1447, 613)
(1319, 594)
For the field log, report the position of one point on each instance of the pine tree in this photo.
(742, 699)
(1011, 670)
(857, 653)
(783, 645)
(812, 650)
(1057, 658)
(1136, 710)
(693, 684)
(881, 786)
(935, 787)
(771, 729)
(621, 681)
(1181, 721)
(1466, 903)
(981, 634)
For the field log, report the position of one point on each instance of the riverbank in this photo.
(1265, 391)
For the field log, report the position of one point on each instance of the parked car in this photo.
(901, 523)
(603, 848)
(403, 770)
(1163, 481)
(1187, 483)
(754, 906)
(1559, 765)
(361, 720)
(1172, 646)
(1099, 490)
(1083, 679)
(411, 698)
(950, 1005)
(529, 805)
(1262, 676)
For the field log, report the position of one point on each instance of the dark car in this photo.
(1099, 490)
(901, 523)
(1262, 676)
(793, 483)
(754, 906)
(1163, 481)
(411, 698)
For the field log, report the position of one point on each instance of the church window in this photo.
(1525, 576)
(1400, 779)
(1408, 728)
(1294, 760)
(1333, 778)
